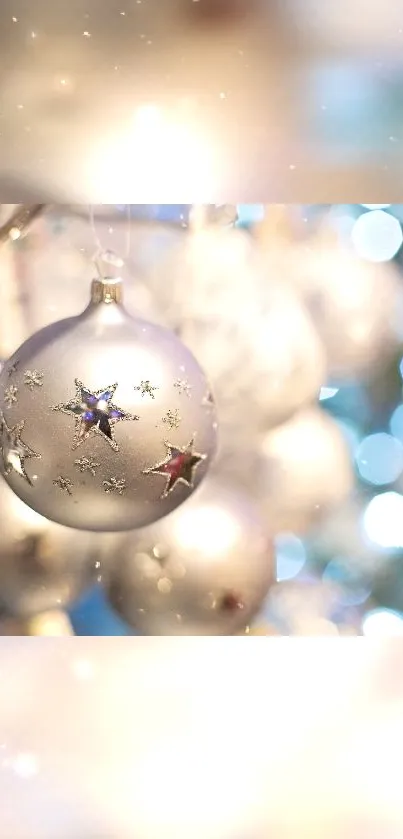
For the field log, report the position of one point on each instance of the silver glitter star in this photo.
(183, 386)
(10, 395)
(87, 464)
(13, 450)
(172, 418)
(63, 484)
(146, 387)
(94, 413)
(33, 379)
(115, 485)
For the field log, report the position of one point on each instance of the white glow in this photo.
(382, 623)
(377, 236)
(83, 669)
(383, 520)
(162, 153)
(211, 530)
(25, 765)
(375, 206)
(327, 393)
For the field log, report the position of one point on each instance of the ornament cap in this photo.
(109, 290)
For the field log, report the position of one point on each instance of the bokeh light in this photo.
(354, 589)
(291, 556)
(383, 520)
(396, 422)
(377, 236)
(379, 459)
(376, 206)
(382, 623)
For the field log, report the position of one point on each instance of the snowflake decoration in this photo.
(146, 387)
(33, 379)
(10, 395)
(172, 418)
(183, 386)
(87, 464)
(115, 485)
(63, 484)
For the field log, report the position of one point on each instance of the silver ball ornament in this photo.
(204, 570)
(42, 566)
(106, 422)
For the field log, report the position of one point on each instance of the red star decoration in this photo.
(178, 467)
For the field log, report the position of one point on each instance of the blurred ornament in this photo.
(204, 570)
(356, 305)
(306, 471)
(43, 566)
(253, 337)
(85, 457)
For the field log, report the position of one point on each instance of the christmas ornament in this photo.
(252, 335)
(43, 566)
(305, 471)
(204, 570)
(355, 305)
(107, 426)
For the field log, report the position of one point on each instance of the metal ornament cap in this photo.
(100, 397)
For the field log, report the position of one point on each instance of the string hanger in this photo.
(105, 260)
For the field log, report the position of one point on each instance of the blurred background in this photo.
(295, 313)
(269, 100)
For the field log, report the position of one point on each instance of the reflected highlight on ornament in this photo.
(377, 236)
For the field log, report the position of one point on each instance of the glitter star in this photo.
(10, 395)
(87, 464)
(94, 413)
(178, 468)
(63, 484)
(115, 485)
(146, 387)
(183, 386)
(13, 450)
(172, 418)
(33, 379)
